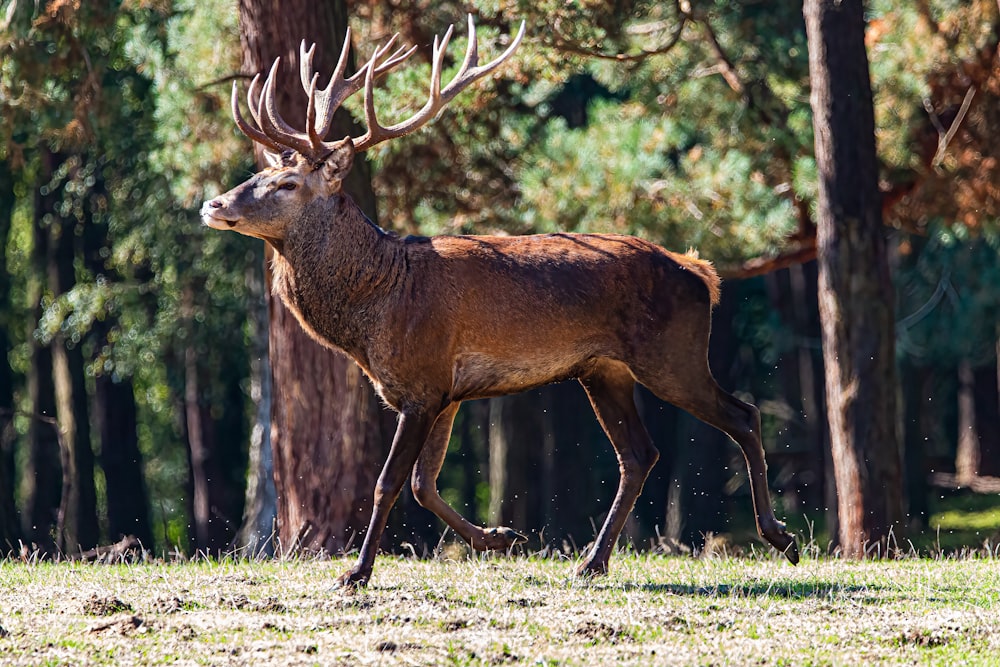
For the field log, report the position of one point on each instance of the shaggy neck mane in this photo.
(335, 270)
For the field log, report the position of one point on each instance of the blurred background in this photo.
(138, 397)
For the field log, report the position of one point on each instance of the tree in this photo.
(10, 531)
(326, 433)
(855, 292)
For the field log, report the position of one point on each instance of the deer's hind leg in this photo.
(610, 389)
(683, 378)
(424, 485)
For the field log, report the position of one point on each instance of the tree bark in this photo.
(78, 529)
(855, 291)
(208, 490)
(967, 452)
(913, 383)
(260, 510)
(326, 434)
(987, 415)
(10, 532)
(77, 522)
(116, 420)
(42, 479)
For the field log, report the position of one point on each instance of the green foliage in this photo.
(685, 123)
(949, 306)
(110, 88)
(571, 139)
(627, 173)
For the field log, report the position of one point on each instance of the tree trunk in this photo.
(10, 532)
(914, 380)
(260, 509)
(208, 493)
(114, 410)
(515, 442)
(42, 479)
(967, 452)
(121, 460)
(810, 365)
(855, 291)
(697, 491)
(326, 433)
(77, 522)
(474, 446)
(78, 528)
(986, 393)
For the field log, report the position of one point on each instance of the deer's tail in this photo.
(704, 270)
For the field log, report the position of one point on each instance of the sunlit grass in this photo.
(984, 521)
(979, 514)
(650, 609)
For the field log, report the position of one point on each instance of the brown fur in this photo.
(437, 321)
(704, 269)
(441, 320)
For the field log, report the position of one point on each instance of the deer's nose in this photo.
(216, 203)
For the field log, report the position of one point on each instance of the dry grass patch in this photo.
(650, 610)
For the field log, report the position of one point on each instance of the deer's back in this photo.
(517, 312)
(564, 272)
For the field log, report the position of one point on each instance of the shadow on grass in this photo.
(797, 590)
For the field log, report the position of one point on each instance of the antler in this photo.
(438, 98)
(277, 135)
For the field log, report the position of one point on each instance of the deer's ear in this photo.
(339, 162)
(272, 159)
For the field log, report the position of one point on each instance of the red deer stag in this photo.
(437, 321)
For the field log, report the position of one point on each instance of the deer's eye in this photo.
(287, 185)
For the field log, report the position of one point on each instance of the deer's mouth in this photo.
(217, 222)
(216, 218)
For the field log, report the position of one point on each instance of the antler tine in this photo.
(466, 75)
(305, 63)
(245, 127)
(315, 140)
(401, 54)
(320, 101)
(472, 49)
(437, 62)
(273, 132)
(340, 88)
(469, 72)
(255, 107)
(273, 124)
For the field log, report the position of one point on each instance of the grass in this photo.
(649, 610)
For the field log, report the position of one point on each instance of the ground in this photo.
(486, 611)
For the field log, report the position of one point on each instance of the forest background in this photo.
(136, 397)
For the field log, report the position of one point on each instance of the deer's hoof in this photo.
(500, 538)
(590, 569)
(791, 551)
(353, 579)
(787, 545)
(775, 534)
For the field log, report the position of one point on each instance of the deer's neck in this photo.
(338, 273)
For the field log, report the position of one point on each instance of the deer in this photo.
(436, 321)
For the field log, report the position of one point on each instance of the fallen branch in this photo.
(126, 548)
(977, 484)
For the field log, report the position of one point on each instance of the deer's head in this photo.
(304, 167)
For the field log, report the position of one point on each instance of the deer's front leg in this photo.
(411, 433)
(424, 485)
